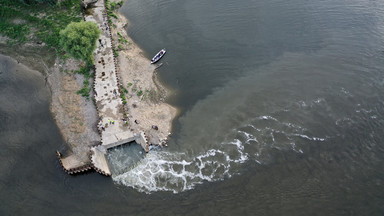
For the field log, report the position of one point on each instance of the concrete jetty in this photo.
(113, 121)
(72, 165)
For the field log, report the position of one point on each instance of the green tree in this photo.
(79, 39)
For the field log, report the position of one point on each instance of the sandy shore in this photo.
(138, 75)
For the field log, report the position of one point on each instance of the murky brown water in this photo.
(282, 114)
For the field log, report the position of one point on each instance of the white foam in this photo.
(248, 136)
(177, 171)
(164, 171)
(291, 125)
(266, 117)
(309, 138)
(319, 100)
(240, 149)
(302, 104)
(252, 126)
(344, 91)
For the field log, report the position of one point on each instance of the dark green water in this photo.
(281, 114)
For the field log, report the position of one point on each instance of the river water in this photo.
(281, 113)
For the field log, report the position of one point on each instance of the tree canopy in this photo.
(79, 39)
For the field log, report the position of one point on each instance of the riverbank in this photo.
(38, 48)
(145, 95)
(76, 116)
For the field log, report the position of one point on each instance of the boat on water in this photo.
(158, 56)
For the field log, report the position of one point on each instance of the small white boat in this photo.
(158, 56)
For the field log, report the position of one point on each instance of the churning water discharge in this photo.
(254, 78)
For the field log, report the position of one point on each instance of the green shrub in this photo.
(113, 6)
(85, 70)
(122, 93)
(46, 17)
(115, 52)
(79, 39)
(85, 90)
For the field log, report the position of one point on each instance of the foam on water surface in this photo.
(248, 121)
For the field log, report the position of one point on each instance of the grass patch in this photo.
(123, 92)
(37, 22)
(18, 33)
(110, 8)
(115, 52)
(85, 90)
(122, 39)
(85, 70)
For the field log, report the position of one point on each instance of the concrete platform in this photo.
(71, 164)
(99, 160)
(113, 121)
